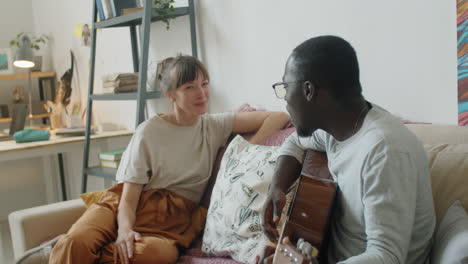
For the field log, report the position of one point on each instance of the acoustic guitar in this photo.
(308, 218)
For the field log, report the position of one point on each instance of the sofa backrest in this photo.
(447, 150)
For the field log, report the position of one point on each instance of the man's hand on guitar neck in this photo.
(272, 212)
(287, 170)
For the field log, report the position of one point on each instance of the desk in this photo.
(10, 150)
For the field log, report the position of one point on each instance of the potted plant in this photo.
(165, 8)
(36, 43)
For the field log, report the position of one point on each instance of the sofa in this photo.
(446, 147)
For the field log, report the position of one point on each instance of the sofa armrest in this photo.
(30, 227)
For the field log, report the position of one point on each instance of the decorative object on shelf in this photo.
(17, 94)
(64, 90)
(85, 36)
(165, 8)
(35, 43)
(23, 59)
(62, 98)
(6, 66)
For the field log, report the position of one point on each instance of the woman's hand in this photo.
(125, 244)
(126, 237)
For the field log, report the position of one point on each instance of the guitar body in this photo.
(308, 218)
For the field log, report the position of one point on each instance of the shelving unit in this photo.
(142, 18)
(24, 76)
(41, 77)
(8, 119)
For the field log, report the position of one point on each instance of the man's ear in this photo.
(309, 90)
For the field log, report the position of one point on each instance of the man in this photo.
(385, 211)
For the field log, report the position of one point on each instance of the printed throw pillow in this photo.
(233, 226)
(451, 238)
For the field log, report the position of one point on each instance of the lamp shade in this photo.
(24, 54)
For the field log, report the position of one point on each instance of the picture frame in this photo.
(6, 61)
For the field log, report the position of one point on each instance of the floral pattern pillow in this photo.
(233, 227)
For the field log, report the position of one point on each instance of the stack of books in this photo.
(110, 159)
(111, 8)
(120, 82)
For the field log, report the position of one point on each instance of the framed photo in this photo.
(6, 61)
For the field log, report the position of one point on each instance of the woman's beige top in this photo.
(162, 155)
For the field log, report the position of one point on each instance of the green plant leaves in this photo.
(165, 7)
(35, 40)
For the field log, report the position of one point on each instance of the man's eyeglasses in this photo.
(280, 88)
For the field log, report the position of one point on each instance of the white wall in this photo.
(406, 49)
(15, 17)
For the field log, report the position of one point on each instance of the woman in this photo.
(162, 176)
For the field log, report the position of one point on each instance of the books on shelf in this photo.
(107, 8)
(120, 83)
(131, 10)
(100, 10)
(112, 155)
(110, 164)
(110, 159)
(118, 5)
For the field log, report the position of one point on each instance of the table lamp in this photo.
(24, 59)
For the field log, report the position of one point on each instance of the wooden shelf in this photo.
(125, 96)
(24, 75)
(136, 17)
(8, 119)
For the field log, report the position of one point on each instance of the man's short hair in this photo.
(329, 62)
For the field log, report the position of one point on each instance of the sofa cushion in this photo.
(449, 174)
(233, 226)
(276, 139)
(439, 134)
(451, 239)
